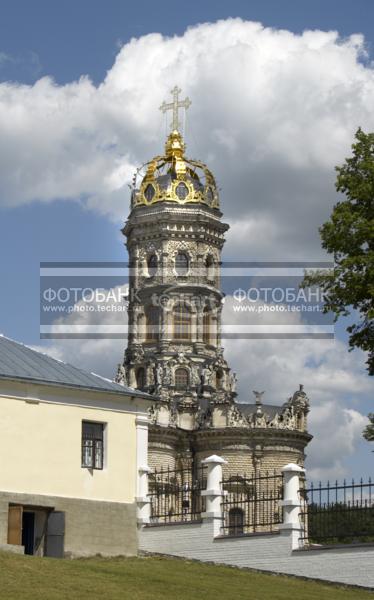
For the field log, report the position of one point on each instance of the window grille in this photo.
(92, 445)
(181, 378)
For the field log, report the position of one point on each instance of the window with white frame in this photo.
(92, 445)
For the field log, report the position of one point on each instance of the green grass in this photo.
(32, 578)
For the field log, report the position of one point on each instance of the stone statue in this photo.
(159, 371)
(153, 414)
(195, 376)
(167, 374)
(235, 417)
(159, 374)
(137, 354)
(207, 375)
(258, 396)
(233, 382)
(121, 376)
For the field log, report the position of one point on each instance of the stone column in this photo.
(142, 500)
(291, 504)
(214, 492)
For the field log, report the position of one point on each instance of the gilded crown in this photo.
(172, 177)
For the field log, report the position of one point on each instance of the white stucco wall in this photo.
(40, 442)
(352, 566)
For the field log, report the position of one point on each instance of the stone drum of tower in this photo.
(174, 240)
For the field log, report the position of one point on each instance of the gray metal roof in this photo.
(20, 362)
(269, 409)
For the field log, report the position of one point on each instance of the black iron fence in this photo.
(175, 495)
(251, 505)
(338, 513)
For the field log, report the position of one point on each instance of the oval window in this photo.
(182, 191)
(149, 192)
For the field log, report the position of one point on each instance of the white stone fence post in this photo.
(214, 491)
(292, 525)
(142, 499)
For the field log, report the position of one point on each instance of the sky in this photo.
(278, 90)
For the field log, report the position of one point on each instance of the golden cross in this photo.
(174, 106)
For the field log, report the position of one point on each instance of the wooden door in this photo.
(15, 525)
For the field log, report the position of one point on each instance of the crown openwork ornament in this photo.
(172, 177)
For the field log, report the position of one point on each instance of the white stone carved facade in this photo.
(174, 239)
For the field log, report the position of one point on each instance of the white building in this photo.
(71, 444)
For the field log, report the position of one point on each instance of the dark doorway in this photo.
(28, 532)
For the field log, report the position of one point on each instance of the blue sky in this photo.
(69, 40)
(74, 38)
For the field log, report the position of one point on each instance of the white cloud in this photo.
(338, 431)
(100, 355)
(272, 113)
(334, 380)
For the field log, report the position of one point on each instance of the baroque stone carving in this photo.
(121, 376)
(235, 417)
(164, 224)
(207, 375)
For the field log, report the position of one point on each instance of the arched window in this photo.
(181, 378)
(140, 327)
(140, 378)
(236, 521)
(209, 265)
(219, 379)
(152, 323)
(181, 264)
(152, 265)
(181, 322)
(207, 326)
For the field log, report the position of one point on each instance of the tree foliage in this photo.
(349, 236)
(369, 429)
(341, 523)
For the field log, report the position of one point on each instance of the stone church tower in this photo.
(175, 237)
